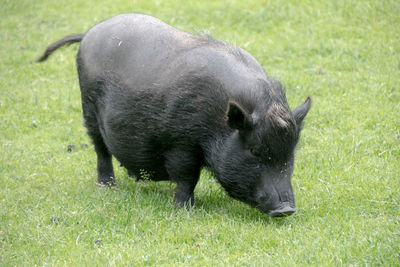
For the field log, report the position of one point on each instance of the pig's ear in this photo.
(300, 112)
(238, 117)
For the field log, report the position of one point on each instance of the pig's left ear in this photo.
(238, 117)
(300, 112)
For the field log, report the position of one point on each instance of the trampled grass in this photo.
(345, 54)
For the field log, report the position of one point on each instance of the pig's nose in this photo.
(284, 210)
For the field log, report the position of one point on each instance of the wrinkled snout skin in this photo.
(166, 103)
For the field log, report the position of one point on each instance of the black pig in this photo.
(167, 103)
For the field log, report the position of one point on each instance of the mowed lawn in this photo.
(345, 54)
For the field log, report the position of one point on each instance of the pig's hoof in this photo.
(106, 182)
(110, 186)
(185, 202)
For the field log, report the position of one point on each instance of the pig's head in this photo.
(258, 157)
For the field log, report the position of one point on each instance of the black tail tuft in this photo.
(66, 40)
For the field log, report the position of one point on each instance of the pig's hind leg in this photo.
(105, 171)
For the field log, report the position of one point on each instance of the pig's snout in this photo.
(279, 210)
(277, 204)
(285, 209)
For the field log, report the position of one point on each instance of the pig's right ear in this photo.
(238, 117)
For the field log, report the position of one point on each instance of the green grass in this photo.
(345, 54)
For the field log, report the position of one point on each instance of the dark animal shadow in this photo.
(233, 209)
(217, 201)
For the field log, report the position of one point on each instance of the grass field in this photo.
(345, 54)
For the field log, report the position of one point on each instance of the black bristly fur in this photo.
(166, 103)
